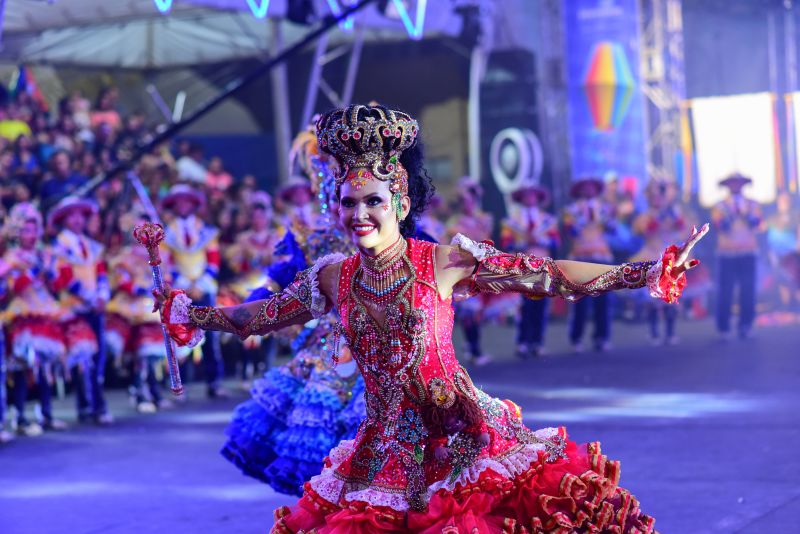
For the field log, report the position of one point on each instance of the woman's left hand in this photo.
(683, 263)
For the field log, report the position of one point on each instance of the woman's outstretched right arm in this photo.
(309, 296)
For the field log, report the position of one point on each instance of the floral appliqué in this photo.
(464, 449)
(411, 428)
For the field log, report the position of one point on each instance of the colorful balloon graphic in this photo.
(608, 84)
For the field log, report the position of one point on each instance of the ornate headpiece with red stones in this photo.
(369, 138)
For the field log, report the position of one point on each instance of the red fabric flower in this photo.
(670, 287)
(182, 333)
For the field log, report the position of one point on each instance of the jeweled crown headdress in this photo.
(371, 138)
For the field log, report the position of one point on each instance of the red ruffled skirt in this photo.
(149, 341)
(81, 341)
(117, 334)
(141, 341)
(579, 493)
(37, 334)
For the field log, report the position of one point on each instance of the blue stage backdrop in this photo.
(606, 107)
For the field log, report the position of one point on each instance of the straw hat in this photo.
(542, 194)
(183, 191)
(67, 206)
(587, 188)
(736, 180)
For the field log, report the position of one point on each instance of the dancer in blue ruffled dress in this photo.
(300, 410)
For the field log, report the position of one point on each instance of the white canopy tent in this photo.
(164, 35)
(135, 34)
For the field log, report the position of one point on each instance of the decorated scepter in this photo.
(150, 235)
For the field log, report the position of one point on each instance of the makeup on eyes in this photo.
(372, 200)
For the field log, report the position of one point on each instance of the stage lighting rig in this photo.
(301, 12)
(471, 27)
(402, 10)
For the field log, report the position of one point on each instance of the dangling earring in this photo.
(397, 204)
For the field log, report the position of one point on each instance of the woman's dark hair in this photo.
(463, 408)
(420, 187)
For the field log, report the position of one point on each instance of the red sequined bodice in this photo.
(414, 343)
(403, 361)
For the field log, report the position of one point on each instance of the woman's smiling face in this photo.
(366, 212)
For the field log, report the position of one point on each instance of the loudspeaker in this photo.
(301, 12)
(508, 92)
(507, 101)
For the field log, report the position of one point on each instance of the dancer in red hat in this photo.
(531, 230)
(662, 223)
(247, 257)
(193, 248)
(300, 215)
(133, 331)
(33, 317)
(589, 220)
(435, 453)
(739, 222)
(85, 292)
(470, 219)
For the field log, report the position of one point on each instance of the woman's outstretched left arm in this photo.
(468, 267)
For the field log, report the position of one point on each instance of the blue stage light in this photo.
(259, 7)
(163, 5)
(415, 28)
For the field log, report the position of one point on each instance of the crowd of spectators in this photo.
(47, 154)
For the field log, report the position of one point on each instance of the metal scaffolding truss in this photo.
(412, 14)
(553, 97)
(663, 82)
(323, 55)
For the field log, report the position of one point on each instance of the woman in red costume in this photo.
(435, 454)
(33, 316)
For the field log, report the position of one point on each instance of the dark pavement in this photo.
(707, 433)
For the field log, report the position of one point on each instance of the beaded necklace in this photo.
(380, 277)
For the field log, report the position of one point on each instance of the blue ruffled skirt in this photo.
(297, 414)
(256, 423)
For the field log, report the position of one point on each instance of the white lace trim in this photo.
(179, 314)
(341, 452)
(327, 485)
(318, 301)
(473, 247)
(507, 467)
(653, 276)
(377, 497)
(179, 311)
(330, 488)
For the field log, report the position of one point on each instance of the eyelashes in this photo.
(371, 202)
